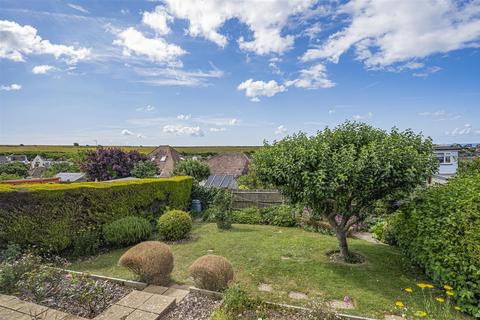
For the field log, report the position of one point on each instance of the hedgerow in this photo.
(48, 216)
(440, 231)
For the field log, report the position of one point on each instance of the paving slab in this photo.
(32, 309)
(134, 299)
(265, 287)
(297, 295)
(14, 304)
(157, 304)
(8, 314)
(142, 315)
(178, 294)
(340, 304)
(52, 314)
(4, 299)
(115, 312)
(180, 286)
(155, 289)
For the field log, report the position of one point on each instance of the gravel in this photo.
(194, 306)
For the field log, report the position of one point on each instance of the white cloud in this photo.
(281, 130)
(465, 130)
(42, 69)
(158, 20)
(331, 111)
(427, 72)
(147, 108)
(314, 77)
(140, 136)
(155, 49)
(78, 8)
(178, 77)
(12, 87)
(184, 130)
(217, 129)
(17, 41)
(363, 116)
(388, 32)
(184, 116)
(256, 89)
(126, 132)
(266, 20)
(438, 113)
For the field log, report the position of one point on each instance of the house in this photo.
(220, 181)
(71, 177)
(37, 172)
(447, 157)
(39, 162)
(234, 164)
(19, 158)
(165, 157)
(4, 159)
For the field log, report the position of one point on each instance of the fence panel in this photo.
(256, 198)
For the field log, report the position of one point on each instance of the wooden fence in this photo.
(256, 198)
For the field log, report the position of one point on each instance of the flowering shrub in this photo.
(440, 231)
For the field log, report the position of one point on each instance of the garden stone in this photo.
(135, 299)
(178, 294)
(297, 295)
(265, 287)
(340, 304)
(285, 258)
(115, 312)
(158, 304)
(142, 315)
(155, 289)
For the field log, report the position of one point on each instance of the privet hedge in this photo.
(440, 231)
(51, 216)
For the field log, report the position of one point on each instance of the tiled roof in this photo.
(235, 164)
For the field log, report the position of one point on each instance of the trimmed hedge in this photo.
(174, 225)
(48, 215)
(440, 231)
(126, 231)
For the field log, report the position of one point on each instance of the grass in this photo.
(66, 151)
(256, 253)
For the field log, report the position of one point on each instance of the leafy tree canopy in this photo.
(339, 173)
(144, 169)
(197, 169)
(17, 169)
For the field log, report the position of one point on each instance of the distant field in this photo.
(66, 151)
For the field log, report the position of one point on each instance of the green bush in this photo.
(223, 205)
(144, 169)
(49, 215)
(282, 216)
(174, 225)
(236, 301)
(85, 243)
(440, 231)
(14, 168)
(127, 231)
(247, 216)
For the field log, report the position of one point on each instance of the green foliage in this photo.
(14, 168)
(247, 216)
(340, 173)
(469, 167)
(219, 314)
(85, 243)
(223, 205)
(252, 182)
(127, 231)
(440, 231)
(9, 176)
(144, 169)
(237, 301)
(11, 271)
(61, 167)
(174, 225)
(197, 169)
(48, 216)
(281, 216)
(12, 252)
(206, 195)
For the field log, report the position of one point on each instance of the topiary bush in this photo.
(211, 272)
(152, 261)
(222, 202)
(440, 231)
(281, 216)
(48, 216)
(174, 225)
(126, 231)
(247, 216)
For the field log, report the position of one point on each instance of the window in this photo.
(444, 157)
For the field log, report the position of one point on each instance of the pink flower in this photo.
(68, 277)
(347, 300)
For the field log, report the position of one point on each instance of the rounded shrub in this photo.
(152, 261)
(174, 225)
(247, 216)
(440, 231)
(126, 231)
(211, 272)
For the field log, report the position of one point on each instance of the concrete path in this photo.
(367, 236)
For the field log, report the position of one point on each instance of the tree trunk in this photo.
(342, 243)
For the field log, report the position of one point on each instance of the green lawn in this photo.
(256, 253)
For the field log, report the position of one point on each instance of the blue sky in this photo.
(223, 72)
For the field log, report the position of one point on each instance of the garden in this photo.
(86, 248)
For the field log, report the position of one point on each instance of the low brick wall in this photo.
(256, 198)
